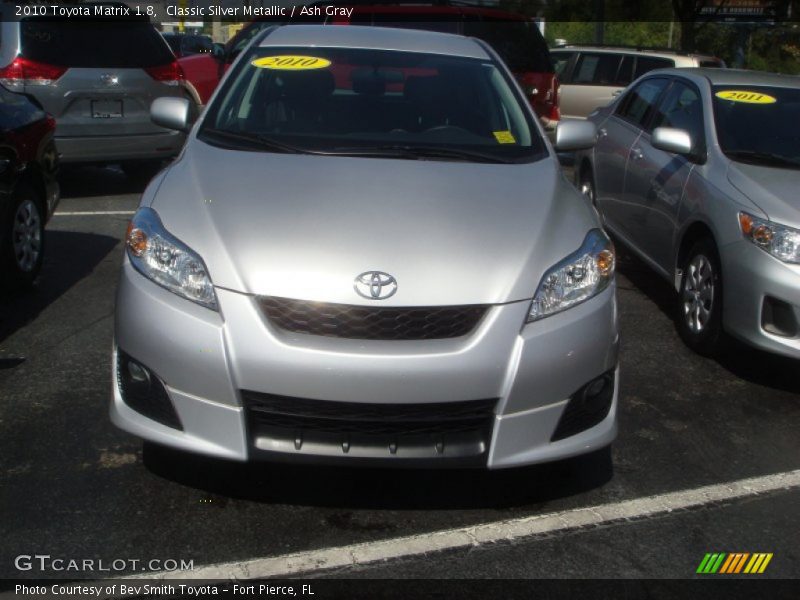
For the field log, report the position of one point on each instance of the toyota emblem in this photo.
(375, 285)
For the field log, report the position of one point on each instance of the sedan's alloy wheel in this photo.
(698, 293)
(26, 236)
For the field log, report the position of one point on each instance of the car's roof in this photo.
(660, 52)
(378, 38)
(738, 77)
(745, 77)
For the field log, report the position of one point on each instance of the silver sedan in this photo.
(697, 171)
(367, 254)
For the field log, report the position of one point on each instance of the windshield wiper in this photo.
(764, 157)
(416, 152)
(383, 151)
(256, 139)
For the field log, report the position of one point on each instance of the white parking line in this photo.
(91, 213)
(290, 565)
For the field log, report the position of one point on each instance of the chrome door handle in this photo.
(616, 93)
(636, 153)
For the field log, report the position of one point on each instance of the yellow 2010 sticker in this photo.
(504, 137)
(745, 96)
(291, 63)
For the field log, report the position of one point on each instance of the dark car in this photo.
(28, 188)
(188, 44)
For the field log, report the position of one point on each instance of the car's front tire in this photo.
(22, 239)
(699, 314)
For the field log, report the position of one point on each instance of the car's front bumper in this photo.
(761, 303)
(206, 361)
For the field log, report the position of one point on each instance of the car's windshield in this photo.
(357, 101)
(758, 124)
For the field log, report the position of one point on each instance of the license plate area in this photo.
(106, 109)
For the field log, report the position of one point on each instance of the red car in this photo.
(514, 37)
(204, 71)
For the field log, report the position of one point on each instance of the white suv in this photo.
(591, 76)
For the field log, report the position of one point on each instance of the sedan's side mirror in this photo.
(574, 135)
(218, 51)
(669, 139)
(170, 112)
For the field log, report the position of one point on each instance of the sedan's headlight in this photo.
(165, 260)
(582, 275)
(780, 241)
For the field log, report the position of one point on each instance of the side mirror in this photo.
(170, 112)
(218, 51)
(668, 139)
(575, 135)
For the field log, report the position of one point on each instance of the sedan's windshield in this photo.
(759, 125)
(372, 103)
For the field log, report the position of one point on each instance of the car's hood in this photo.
(775, 191)
(304, 226)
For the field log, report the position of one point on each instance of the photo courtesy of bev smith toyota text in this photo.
(396, 298)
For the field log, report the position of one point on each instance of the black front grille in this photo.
(371, 323)
(454, 430)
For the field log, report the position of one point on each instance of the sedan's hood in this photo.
(775, 191)
(304, 227)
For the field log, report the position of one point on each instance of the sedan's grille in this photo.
(371, 322)
(299, 426)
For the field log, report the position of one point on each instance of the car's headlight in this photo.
(780, 241)
(164, 259)
(582, 275)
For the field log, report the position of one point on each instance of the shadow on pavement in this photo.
(753, 365)
(395, 489)
(69, 257)
(762, 368)
(86, 181)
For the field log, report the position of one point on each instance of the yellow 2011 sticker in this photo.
(745, 96)
(504, 137)
(287, 62)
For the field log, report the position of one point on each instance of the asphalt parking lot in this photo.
(74, 486)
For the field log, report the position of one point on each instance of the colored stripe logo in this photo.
(734, 563)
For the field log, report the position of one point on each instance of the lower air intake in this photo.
(455, 432)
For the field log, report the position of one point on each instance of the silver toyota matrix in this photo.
(367, 254)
